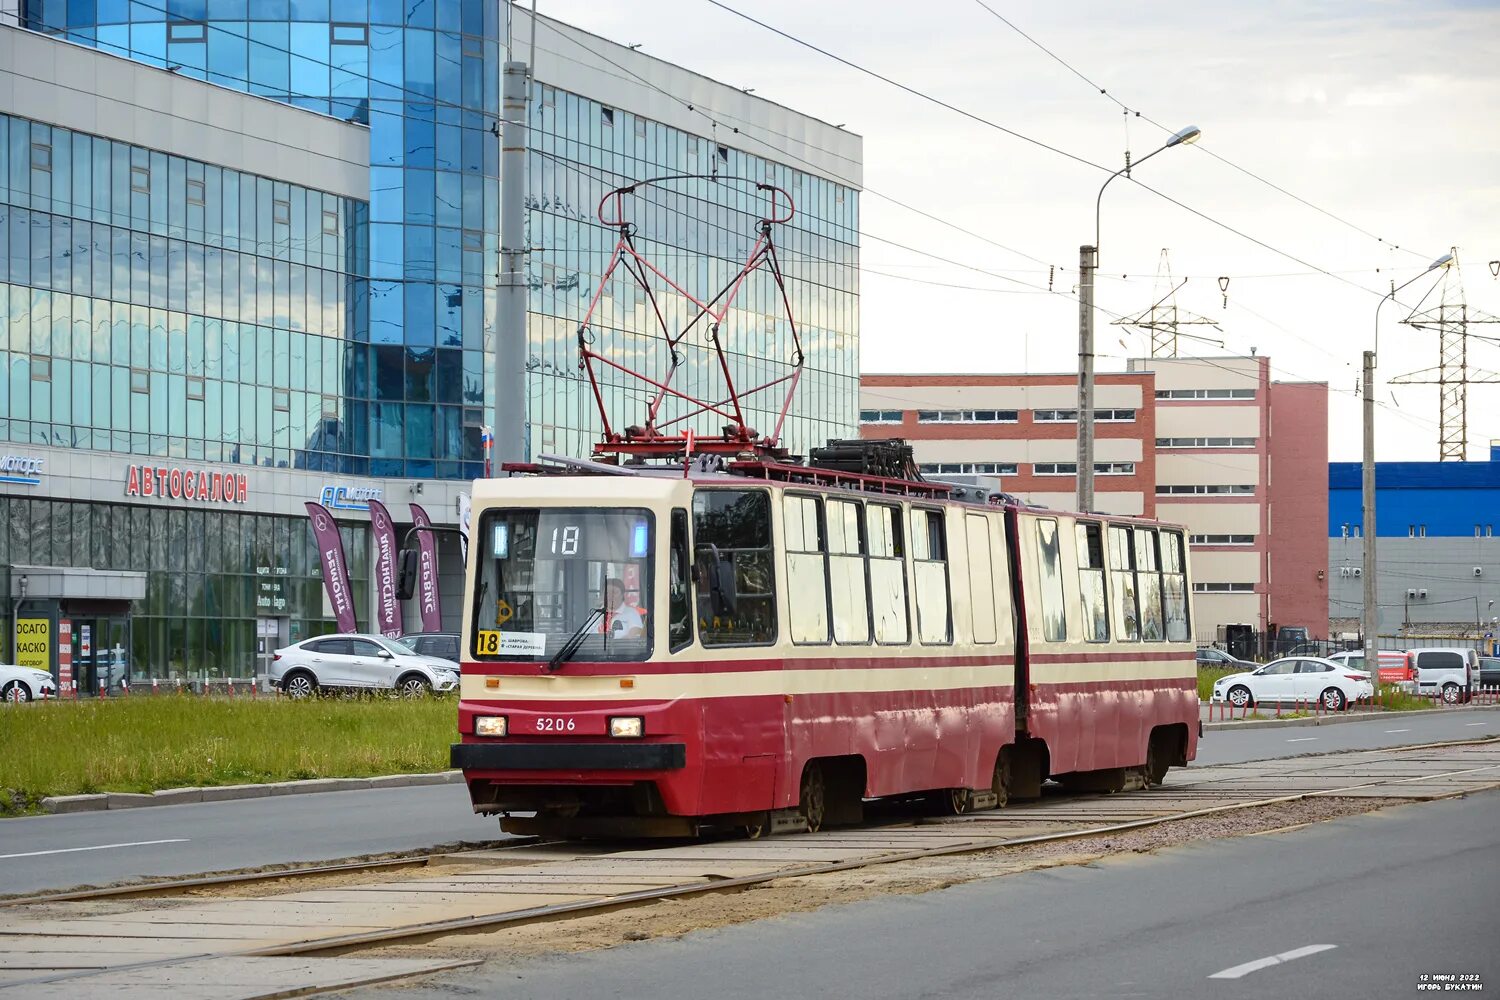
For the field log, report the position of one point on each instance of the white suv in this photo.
(1448, 672)
(358, 661)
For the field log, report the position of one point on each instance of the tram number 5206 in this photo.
(555, 724)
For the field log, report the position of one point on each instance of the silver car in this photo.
(353, 661)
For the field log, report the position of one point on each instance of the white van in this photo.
(1447, 672)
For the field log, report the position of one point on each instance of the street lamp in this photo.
(1088, 262)
(1370, 613)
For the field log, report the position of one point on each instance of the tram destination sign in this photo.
(196, 485)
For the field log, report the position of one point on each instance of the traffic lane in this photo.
(1141, 926)
(327, 826)
(99, 848)
(1229, 746)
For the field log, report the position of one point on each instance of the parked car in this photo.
(1295, 679)
(358, 662)
(1489, 672)
(1396, 665)
(1446, 672)
(19, 684)
(443, 645)
(1208, 656)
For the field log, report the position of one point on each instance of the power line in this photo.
(1035, 142)
(1222, 159)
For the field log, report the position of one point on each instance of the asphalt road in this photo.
(1330, 903)
(59, 852)
(1220, 746)
(98, 848)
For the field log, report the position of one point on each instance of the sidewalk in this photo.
(225, 793)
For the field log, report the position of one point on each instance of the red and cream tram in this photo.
(768, 646)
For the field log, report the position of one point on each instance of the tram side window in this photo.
(680, 608)
(846, 573)
(733, 568)
(1049, 559)
(806, 572)
(1122, 568)
(929, 555)
(887, 574)
(1174, 586)
(981, 577)
(1091, 582)
(1148, 581)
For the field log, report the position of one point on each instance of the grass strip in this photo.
(141, 744)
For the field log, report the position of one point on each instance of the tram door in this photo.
(101, 653)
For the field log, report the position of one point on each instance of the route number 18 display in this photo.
(565, 540)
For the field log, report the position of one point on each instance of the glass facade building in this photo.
(210, 574)
(425, 75)
(174, 309)
(162, 306)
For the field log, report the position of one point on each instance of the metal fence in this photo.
(1255, 644)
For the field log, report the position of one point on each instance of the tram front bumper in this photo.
(568, 756)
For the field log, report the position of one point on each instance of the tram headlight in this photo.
(627, 727)
(490, 725)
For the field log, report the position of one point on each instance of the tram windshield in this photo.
(563, 583)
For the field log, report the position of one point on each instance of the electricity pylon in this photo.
(1451, 318)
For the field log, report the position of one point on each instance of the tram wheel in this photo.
(814, 797)
(949, 801)
(1157, 762)
(1000, 784)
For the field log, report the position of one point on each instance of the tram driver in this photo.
(621, 620)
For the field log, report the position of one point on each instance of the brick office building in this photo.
(1212, 443)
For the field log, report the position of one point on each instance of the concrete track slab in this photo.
(233, 978)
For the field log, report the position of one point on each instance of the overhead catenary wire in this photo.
(1201, 147)
(980, 119)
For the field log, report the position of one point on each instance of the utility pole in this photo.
(1086, 266)
(1369, 619)
(512, 442)
(1088, 263)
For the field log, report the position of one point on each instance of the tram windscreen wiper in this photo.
(566, 651)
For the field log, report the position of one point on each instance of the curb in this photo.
(1334, 720)
(58, 804)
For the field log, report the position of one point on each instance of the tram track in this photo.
(551, 883)
(355, 866)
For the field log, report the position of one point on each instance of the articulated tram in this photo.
(664, 651)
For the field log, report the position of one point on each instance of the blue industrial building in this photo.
(1439, 558)
(1419, 499)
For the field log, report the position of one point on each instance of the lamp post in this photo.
(1088, 263)
(1370, 612)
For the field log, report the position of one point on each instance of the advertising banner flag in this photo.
(335, 570)
(387, 608)
(427, 577)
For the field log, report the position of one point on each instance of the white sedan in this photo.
(1293, 680)
(25, 683)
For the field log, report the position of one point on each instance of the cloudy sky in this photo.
(1382, 114)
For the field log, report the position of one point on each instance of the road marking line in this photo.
(1265, 963)
(100, 847)
(1398, 730)
(1475, 723)
(1303, 739)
